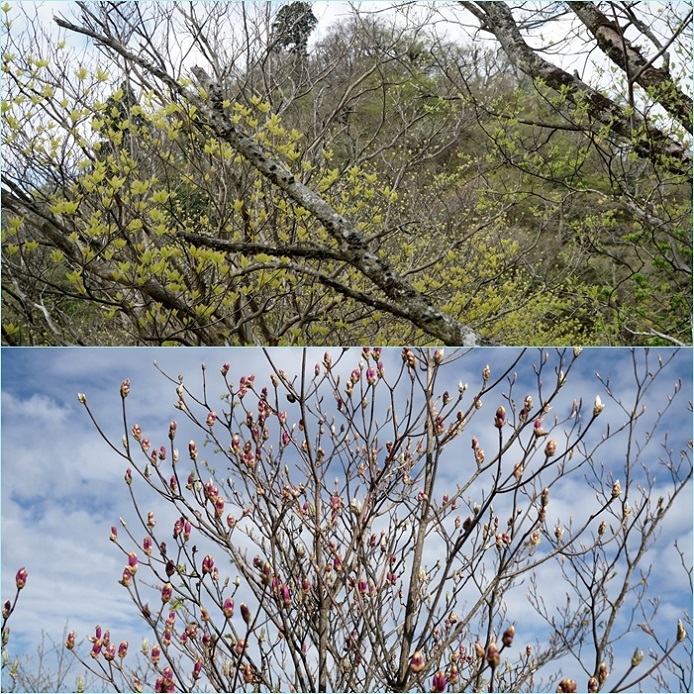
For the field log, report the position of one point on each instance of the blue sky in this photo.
(62, 486)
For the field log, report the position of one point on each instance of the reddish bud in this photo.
(110, 652)
(439, 682)
(165, 683)
(507, 638)
(128, 476)
(156, 654)
(21, 578)
(593, 685)
(123, 649)
(500, 417)
(417, 662)
(197, 669)
(207, 564)
(132, 563)
(211, 419)
(228, 608)
(245, 613)
(493, 655)
(193, 451)
(166, 592)
(567, 685)
(125, 388)
(70, 641)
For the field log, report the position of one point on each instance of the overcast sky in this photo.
(62, 487)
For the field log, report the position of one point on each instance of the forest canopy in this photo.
(243, 173)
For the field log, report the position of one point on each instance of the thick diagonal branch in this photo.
(648, 142)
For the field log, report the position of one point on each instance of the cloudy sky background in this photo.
(62, 487)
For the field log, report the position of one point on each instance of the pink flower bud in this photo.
(245, 613)
(70, 641)
(123, 649)
(125, 388)
(417, 662)
(165, 683)
(493, 655)
(225, 369)
(21, 578)
(132, 563)
(439, 682)
(166, 592)
(500, 417)
(156, 654)
(371, 376)
(197, 669)
(228, 608)
(193, 450)
(128, 476)
(136, 432)
(147, 546)
(538, 431)
(96, 650)
(507, 638)
(110, 652)
(211, 419)
(207, 564)
(125, 578)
